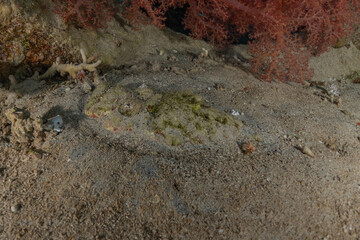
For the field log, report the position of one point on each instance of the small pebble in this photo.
(345, 112)
(15, 208)
(234, 113)
(339, 101)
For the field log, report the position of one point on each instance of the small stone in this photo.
(36, 153)
(15, 208)
(155, 199)
(339, 101)
(307, 84)
(345, 112)
(234, 113)
(86, 87)
(331, 146)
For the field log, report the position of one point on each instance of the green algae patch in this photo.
(175, 118)
(106, 99)
(144, 92)
(182, 116)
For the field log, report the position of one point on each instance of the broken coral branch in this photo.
(71, 69)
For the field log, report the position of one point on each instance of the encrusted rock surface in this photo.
(179, 117)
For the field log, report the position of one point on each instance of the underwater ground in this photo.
(172, 138)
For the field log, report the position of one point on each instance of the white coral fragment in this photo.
(71, 69)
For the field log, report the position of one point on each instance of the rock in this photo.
(162, 52)
(339, 101)
(15, 208)
(36, 153)
(177, 117)
(23, 128)
(21, 125)
(86, 87)
(344, 111)
(144, 92)
(182, 116)
(106, 99)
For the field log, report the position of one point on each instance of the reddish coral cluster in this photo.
(90, 14)
(283, 33)
(22, 43)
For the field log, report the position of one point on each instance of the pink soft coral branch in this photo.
(284, 33)
(91, 14)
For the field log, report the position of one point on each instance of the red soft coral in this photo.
(284, 33)
(90, 14)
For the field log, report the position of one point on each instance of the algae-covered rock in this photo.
(182, 115)
(178, 117)
(144, 92)
(107, 98)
